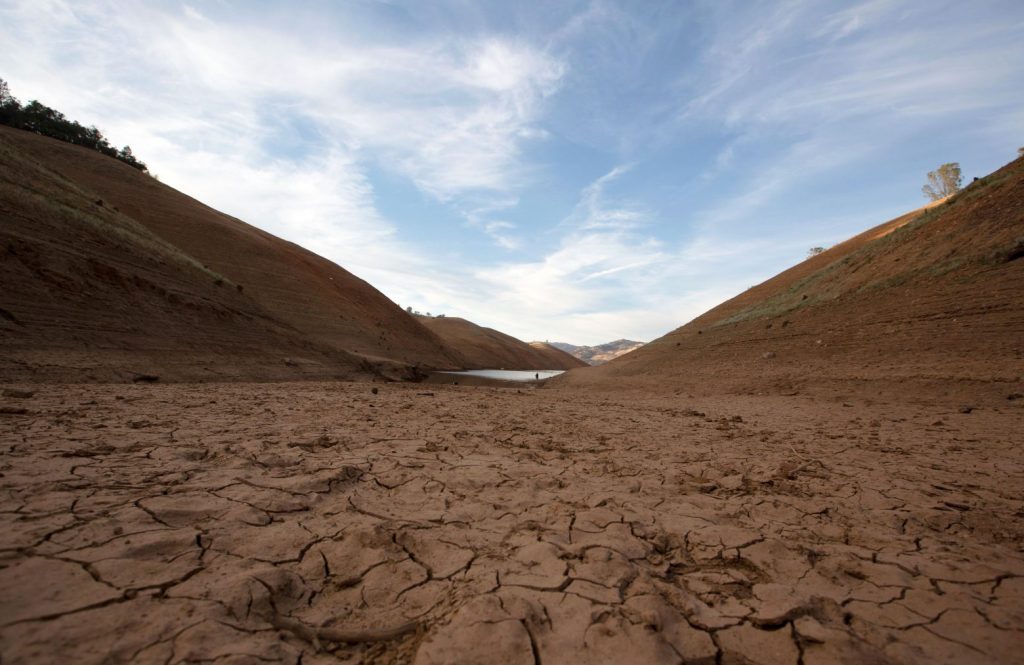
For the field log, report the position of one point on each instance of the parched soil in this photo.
(323, 523)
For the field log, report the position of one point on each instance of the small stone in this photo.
(145, 378)
(374, 390)
(12, 411)
(768, 355)
(966, 409)
(18, 393)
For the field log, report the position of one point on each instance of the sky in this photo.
(564, 171)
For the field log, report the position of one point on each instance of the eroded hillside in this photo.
(89, 294)
(322, 301)
(933, 299)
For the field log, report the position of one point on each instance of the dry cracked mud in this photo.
(322, 523)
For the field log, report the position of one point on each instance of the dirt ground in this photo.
(324, 523)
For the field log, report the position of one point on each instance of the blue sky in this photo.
(570, 171)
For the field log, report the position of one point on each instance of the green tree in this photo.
(1020, 152)
(814, 251)
(943, 181)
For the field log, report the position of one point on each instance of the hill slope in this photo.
(600, 353)
(299, 289)
(486, 348)
(933, 299)
(90, 294)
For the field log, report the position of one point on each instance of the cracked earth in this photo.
(322, 523)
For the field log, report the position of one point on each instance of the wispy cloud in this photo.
(451, 116)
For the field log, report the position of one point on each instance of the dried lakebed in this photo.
(322, 523)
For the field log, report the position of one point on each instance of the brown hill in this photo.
(299, 289)
(932, 300)
(90, 294)
(486, 348)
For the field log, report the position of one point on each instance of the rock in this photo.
(374, 390)
(17, 393)
(749, 645)
(468, 639)
(966, 409)
(12, 411)
(145, 378)
(768, 355)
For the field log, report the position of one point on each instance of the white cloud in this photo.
(451, 116)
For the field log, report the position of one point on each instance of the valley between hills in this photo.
(218, 446)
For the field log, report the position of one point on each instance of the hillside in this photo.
(600, 353)
(557, 357)
(486, 348)
(91, 295)
(931, 300)
(300, 290)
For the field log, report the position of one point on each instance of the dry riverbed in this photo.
(325, 523)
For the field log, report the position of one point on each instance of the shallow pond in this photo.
(509, 374)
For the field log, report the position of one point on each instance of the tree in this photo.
(943, 181)
(1020, 152)
(814, 251)
(41, 119)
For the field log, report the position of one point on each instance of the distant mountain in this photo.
(600, 354)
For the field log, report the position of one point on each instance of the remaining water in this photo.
(510, 374)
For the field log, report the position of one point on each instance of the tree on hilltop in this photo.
(943, 181)
(814, 251)
(41, 119)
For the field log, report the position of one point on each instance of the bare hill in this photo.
(315, 297)
(932, 300)
(89, 294)
(486, 348)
